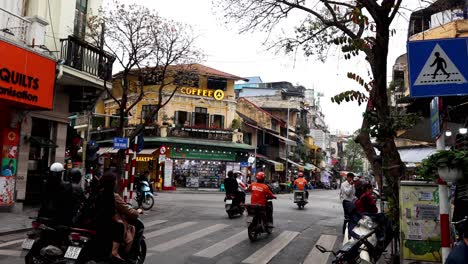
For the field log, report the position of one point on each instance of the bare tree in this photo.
(146, 47)
(359, 26)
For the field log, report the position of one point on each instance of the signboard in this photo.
(279, 167)
(26, 77)
(162, 158)
(162, 150)
(168, 173)
(8, 166)
(120, 143)
(438, 67)
(419, 221)
(435, 123)
(244, 164)
(200, 154)
(216, 94)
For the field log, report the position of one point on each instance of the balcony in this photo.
(201, 133)
(82, 56)
(13, 27)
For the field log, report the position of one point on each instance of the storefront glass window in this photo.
(182, 118)
(217, 121)
(200, 117)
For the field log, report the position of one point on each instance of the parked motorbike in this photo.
(145, 196)
(258, 219)
(232, 205)
(366, 242)
(300, 198)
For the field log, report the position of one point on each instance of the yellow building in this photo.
(195, 127)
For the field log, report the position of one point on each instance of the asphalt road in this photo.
(194, 228)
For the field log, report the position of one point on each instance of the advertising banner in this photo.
(8, 166)
(26, 77)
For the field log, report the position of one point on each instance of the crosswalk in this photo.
(206, 243)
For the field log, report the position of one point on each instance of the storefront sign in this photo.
(26, 77)
(182, 153)
(8, 166)
(144, 158)
(279, 167)
(216, 94)
(162, 158)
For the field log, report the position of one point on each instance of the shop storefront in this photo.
(26, 83)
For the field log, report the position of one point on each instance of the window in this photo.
(80, 18)
(274, 124)
(146, 112)
(152, 79)
(248, 138)
(217, 83)
(184, 79)
(182, 118)
(200, 117)
(217, 121)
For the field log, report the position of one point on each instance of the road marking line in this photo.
(266, 253)
(155, 222)
(7, 252)
(222, 246)
(315, 256)
(188, 238)
(166, 230)
(9, 243)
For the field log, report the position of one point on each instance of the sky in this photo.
(246, 55)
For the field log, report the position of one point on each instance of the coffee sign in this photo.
(26, 77)
(216, 94)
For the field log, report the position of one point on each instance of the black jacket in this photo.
(230, 185)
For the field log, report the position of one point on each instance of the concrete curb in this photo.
(15, 231)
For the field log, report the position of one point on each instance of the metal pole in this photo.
(444, 205)
(287, 146)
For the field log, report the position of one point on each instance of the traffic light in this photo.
(91, 154)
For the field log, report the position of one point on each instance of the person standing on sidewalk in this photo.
(347, 195)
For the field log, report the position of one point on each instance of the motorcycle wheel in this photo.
(230, 214)
(251, 230)
(148, 202)
(141, 257)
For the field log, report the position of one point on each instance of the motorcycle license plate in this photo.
(228, 201)
(27, 243)
(72, 252)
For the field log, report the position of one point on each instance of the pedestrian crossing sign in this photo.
(438, 67)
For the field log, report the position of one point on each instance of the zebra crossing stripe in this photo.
(188, 238)
(315, 256)
(266, 253)
(166, 230)
(155, 222)
(13, 253)
(9, 243)
(222, 246)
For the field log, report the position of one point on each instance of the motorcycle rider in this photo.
(241, 187)
(301, 184)
(260, 195)
(459, 253)
(57, 197)
(230, 184)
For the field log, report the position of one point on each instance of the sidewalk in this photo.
(195, 190)
(16, 220)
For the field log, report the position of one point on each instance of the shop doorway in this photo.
(201, 117)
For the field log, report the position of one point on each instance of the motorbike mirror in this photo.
(321, 249)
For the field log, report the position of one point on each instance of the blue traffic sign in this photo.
(438, 67)
(435, 119)
(120, 143)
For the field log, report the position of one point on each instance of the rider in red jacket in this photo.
(260, 195)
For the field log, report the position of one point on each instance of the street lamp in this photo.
(463, 130)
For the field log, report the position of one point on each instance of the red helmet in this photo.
(300, 174)
(260, 176)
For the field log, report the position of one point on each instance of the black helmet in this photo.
(75, 175)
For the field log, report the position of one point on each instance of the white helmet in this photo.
(56, 167)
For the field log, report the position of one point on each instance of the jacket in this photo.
(366, 204)
(260, 193)
(230, 185)
(301, 184)
(347, 191)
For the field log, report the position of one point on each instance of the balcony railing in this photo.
(83, 56)
(13, 27)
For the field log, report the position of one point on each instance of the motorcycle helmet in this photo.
(260, 176)
(57, 167)
(300, 174)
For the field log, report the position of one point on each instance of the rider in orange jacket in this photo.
(260, 195)
(301, 184)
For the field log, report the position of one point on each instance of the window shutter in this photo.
(222, 122)
(176, 118)
(193, 119)
(189, 120)
(207, 122)
(211, 121)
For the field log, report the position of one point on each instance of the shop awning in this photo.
(147, 151)
(309, 166)
(294, 163)
(415, 155)
(278, 165)
(42, 142)
(109, 150)
(286, 140)
(199, 142)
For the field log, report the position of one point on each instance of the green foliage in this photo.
(443, 158)
(421, 248)
(236, 124)
(354, 153)
(350, 95)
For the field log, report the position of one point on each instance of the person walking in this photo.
(347, 195)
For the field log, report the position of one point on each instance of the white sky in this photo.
(244, 55)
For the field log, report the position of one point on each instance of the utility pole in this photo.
(287, 143)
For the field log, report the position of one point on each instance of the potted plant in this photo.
(450, 164)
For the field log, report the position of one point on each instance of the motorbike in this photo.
(144, 196)
(365, 243)
(300, 198)
(232, 205)
(257, 220)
